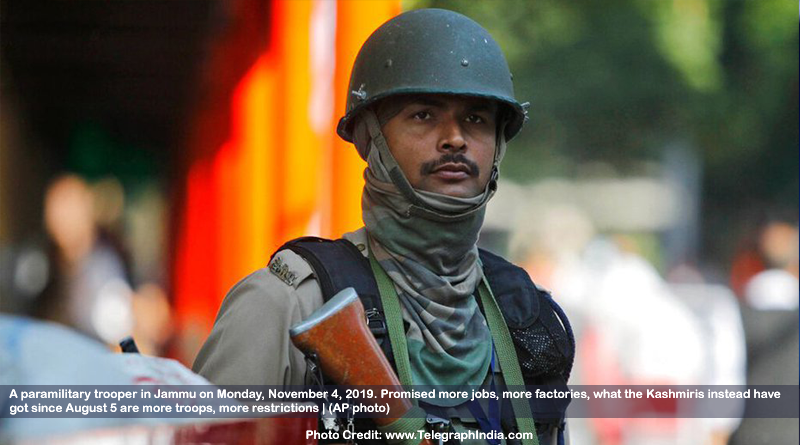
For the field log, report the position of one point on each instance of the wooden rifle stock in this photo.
(347, 352)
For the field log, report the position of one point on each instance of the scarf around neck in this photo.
(427, 244)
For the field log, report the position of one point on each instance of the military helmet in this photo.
(432, 51)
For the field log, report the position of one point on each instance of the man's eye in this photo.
(475, 119)
(422, 115)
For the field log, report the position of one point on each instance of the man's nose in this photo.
(452, 136)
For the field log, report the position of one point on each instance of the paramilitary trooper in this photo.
(430, 108)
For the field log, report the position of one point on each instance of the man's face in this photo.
(445, 144)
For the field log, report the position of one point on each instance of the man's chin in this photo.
(455, 190)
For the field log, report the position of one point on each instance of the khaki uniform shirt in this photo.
(250, 344)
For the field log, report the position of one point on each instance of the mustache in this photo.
(428, 167)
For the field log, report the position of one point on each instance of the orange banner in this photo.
(282, 172)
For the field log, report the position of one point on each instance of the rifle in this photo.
(337, 333)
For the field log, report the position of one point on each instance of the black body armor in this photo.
(540, 330)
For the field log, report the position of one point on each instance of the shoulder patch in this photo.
(281, 270)
(289, 268)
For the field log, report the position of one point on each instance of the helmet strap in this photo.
(395, 172)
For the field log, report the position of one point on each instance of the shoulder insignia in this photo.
(281, 270)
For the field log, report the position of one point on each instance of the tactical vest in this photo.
(541, 332)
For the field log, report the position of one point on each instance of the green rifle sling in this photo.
(506, 353)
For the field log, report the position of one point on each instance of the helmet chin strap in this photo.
(395, 172)
(422, 202)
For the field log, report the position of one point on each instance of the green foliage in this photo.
(618, 81)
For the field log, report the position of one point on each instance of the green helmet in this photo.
(432, 51)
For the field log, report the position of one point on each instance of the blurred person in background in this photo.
(631, 326)
(638, 333)
(719, 319)
(770, 314)
(776, 287)
(89, 287)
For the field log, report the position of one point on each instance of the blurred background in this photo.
(152, 153)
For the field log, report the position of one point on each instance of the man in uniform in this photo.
(430, 108)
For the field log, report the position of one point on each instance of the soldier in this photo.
(430, 108)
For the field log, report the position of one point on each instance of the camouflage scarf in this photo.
(426, 243)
